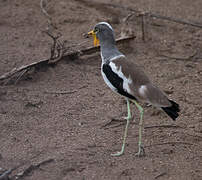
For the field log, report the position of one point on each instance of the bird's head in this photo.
(102, 32)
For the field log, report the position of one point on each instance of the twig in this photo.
(128, 17)
(31, 168)
(61, 92)
(43, 10)
(175, 20)
(4, 176)
(175, 142)
(113, 121)
(143, 26)
(161, 174)
(57, 49)
(20, 76)
(14, 71)
(189, 58)
(7, 76)
(84, 86)
(162, 126)
(198, 25)
(192, 135)
(115, 126)
(50, 23)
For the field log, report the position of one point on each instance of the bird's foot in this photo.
(119, 153)
(141, 152)
(129, 117)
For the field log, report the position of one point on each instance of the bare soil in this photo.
(37, 123)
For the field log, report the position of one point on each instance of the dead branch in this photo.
(5, 175)
(32, 168)
(161, 174)
(162, 126)
(189, 58)
(57, 49)
(143, 28)
(9, 76)
(113, 121)
(122, 122)
(149, 14)
(128, 17)
(173, 143)
(198, 25)
(191, 134)
(42, 4)
(61, 92)
(115, 126)
(20, 76)
(142, 15)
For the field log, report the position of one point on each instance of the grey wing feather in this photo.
(155, 96)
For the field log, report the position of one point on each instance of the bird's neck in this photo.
(108, 52)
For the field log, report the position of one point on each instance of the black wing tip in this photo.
(173, 110)
(175, 106)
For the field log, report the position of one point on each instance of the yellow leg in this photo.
(141, 151)
(126, 130)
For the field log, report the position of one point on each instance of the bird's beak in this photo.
(95, 39)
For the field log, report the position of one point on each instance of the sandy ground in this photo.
(38, 124)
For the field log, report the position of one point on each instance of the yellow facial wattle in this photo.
(95, 39)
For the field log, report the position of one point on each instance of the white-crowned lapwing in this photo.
(127, 79)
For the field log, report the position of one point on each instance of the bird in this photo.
(127, 79)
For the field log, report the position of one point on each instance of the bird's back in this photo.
(137, 84)
(131, 70)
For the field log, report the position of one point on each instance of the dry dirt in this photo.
(38, 124)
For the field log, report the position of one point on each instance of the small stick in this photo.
(115, 126)
(5, 175)
(162, 126)
(143, 27)
(189, 58)
(128, 17)
(57, 49)
(197, 25)
(192, 135)
(161, 174)
(61, 92)
(31, 168)
(21, 74)
(112, 122)
(45, 12)
(175, 142)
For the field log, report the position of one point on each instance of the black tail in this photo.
(173, 110)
